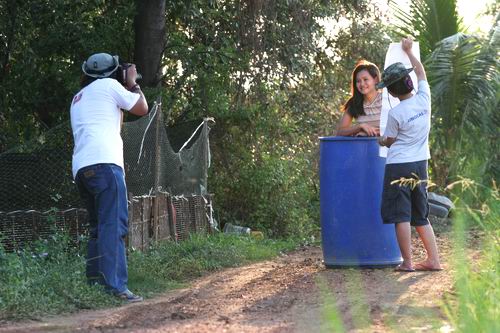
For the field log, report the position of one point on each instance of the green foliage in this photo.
(272, 174)
(463, 73)
(43, 46)
(220, 54)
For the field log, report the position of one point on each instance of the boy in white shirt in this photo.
(407, 135)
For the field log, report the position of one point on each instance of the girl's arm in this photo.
(345, 129)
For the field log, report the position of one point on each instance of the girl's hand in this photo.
(406, 44)
(369, 130)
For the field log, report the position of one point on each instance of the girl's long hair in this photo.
(354, 105)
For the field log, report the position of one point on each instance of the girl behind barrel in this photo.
(364, 105)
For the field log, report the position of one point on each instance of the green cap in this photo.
(392, 74)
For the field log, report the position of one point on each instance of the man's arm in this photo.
(407, 44)
(141, 106)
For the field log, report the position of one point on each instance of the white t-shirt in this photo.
(410, 123)
(96, 121)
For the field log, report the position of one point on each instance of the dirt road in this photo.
(292, 293)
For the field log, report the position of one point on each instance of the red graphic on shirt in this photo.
(77, 98)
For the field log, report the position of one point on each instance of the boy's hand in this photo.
(386, 141)
(407, 43)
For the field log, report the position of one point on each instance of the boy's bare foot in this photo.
(404, 268)
(425, 266)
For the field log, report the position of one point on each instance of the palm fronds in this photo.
(464, 79)
(463, 74)
(428, 21)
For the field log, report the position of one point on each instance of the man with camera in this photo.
(96, 117)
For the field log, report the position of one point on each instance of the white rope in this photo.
(155, 109)
(192, 135)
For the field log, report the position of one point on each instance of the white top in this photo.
(410, 123)
(96, 121)
(372, 112)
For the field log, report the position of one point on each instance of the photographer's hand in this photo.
(131, 76)
(141, 107)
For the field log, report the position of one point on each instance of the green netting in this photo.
(151, 162)
(37, 175)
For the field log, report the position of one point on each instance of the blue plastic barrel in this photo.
(351, 180)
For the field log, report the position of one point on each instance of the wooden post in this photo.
(132, 235)
(205, 154)
(157, 172)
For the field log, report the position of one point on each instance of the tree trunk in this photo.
(149, 40)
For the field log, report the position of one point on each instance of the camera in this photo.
(121, 73)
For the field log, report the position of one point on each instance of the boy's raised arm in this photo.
(407, 44)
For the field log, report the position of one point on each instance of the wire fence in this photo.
(161, 217)
(37, 187)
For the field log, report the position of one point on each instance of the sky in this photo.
(470, 10)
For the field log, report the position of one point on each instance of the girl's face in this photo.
(365, 83)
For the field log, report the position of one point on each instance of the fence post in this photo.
(206, 149)
(172, 218)
(157, 172)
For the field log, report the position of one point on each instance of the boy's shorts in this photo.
(403, 202)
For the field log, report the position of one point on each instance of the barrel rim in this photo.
(348, 138)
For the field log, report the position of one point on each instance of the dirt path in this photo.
(293, 293)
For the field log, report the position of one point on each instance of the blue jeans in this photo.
(102, 188)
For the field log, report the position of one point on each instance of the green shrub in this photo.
(266, 175)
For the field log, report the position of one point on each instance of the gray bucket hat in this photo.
(100, 65)
(392, 74)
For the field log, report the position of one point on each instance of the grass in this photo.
(50, 278)
(331, 319)
(47, 280)
(167, 263)
(476, 304)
